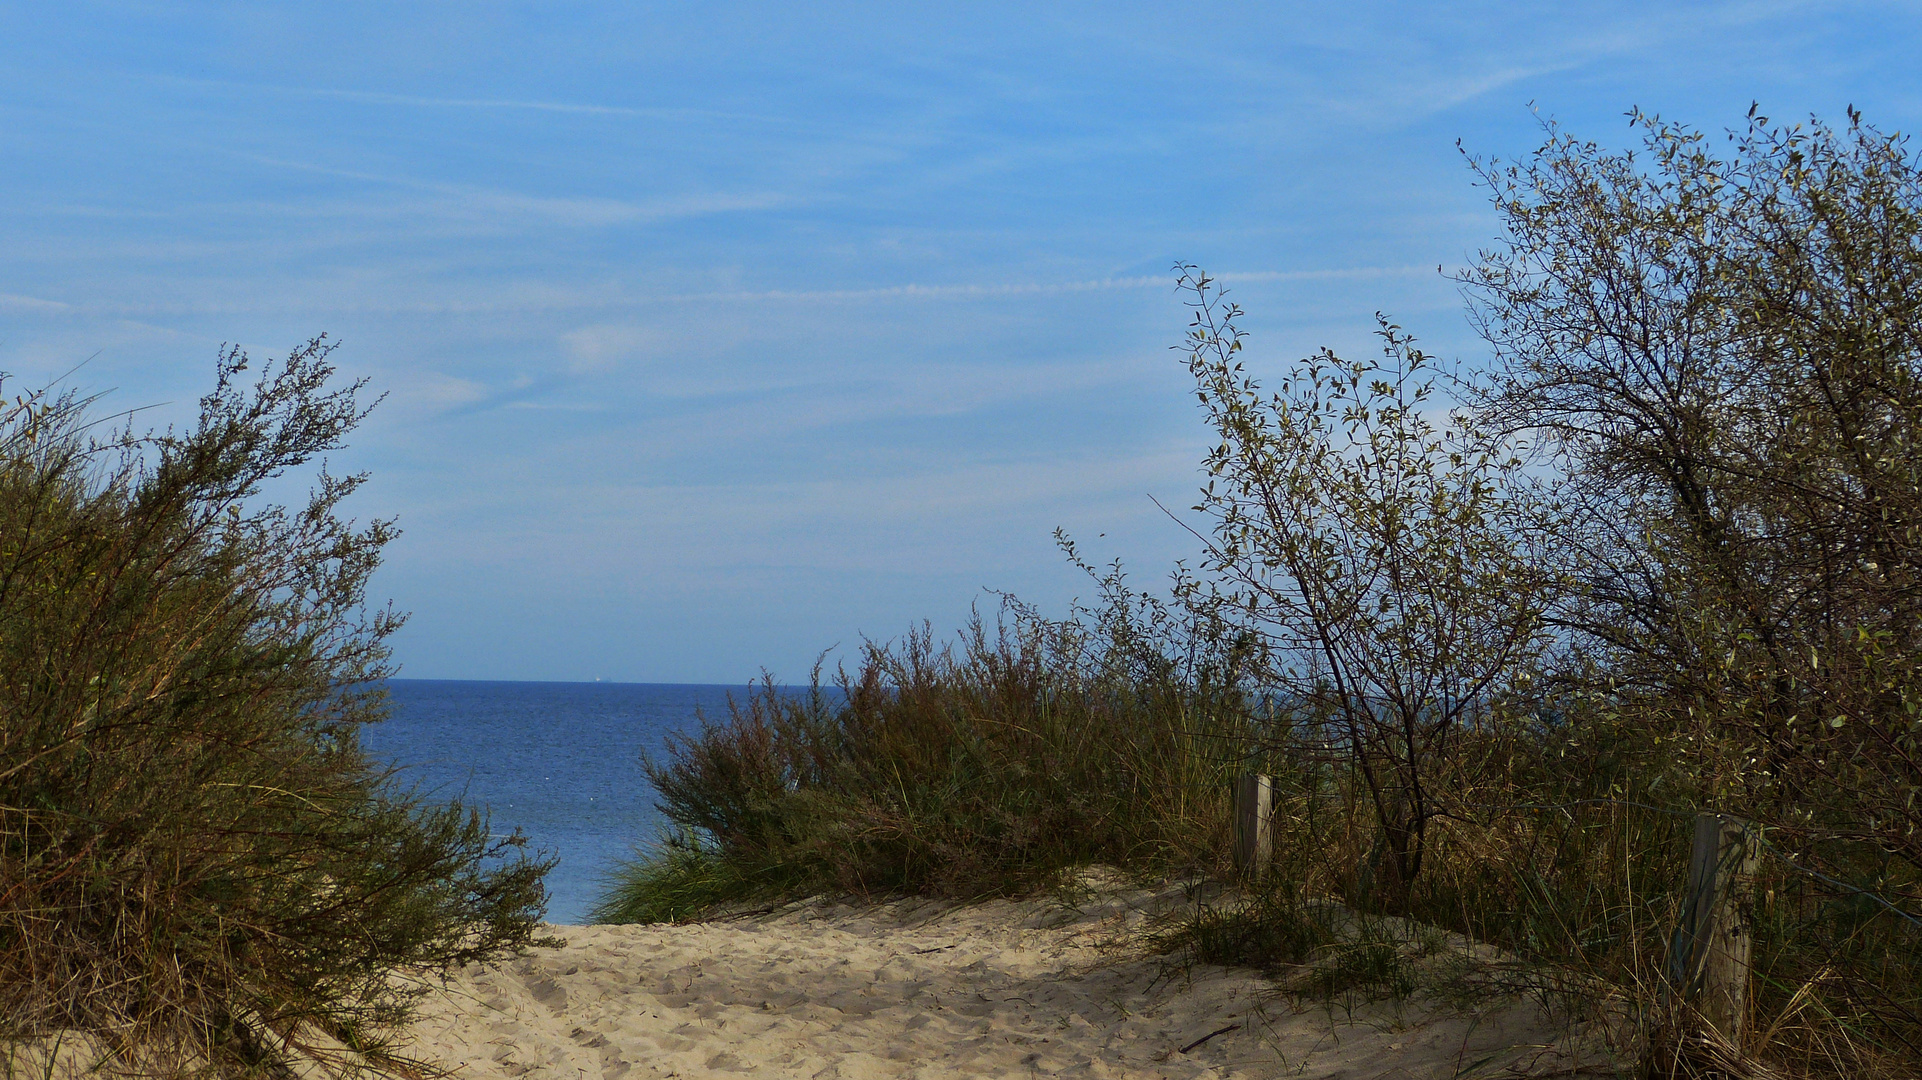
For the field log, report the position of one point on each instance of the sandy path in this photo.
(930, 992)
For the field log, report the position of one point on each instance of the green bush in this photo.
(984, 768)
(201, 873)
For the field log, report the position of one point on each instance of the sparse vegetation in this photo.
(200, 871)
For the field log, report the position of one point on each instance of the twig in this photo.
(1210, 1035)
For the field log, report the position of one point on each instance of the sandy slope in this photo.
(930, 991)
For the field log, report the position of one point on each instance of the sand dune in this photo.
(932, 991)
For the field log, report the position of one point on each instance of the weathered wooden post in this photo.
(1709, 960)
(1254, 841)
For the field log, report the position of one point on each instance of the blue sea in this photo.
(561, 761)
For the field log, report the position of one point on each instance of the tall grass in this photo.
(983, 767)
(1566, 847)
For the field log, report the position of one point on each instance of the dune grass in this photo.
(983, 768)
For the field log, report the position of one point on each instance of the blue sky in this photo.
(717, 335)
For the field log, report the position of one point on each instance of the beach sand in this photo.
(929, 991)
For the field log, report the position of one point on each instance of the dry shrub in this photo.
(200, 871)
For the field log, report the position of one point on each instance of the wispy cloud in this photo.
(983, 291)
(1443, 58)
(592, 352)
(16, 302)
(568, 210)
(423, 101)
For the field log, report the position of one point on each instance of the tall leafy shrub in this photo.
(201, 873)
(1721, 351)
(1386, 553)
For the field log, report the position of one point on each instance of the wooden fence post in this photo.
(1254, 841)
(1709, 960)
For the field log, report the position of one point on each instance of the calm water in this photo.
(559, 760)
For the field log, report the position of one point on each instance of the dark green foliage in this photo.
(1271, 929)
(200, 871)
(682, 881)
(1317, 949)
